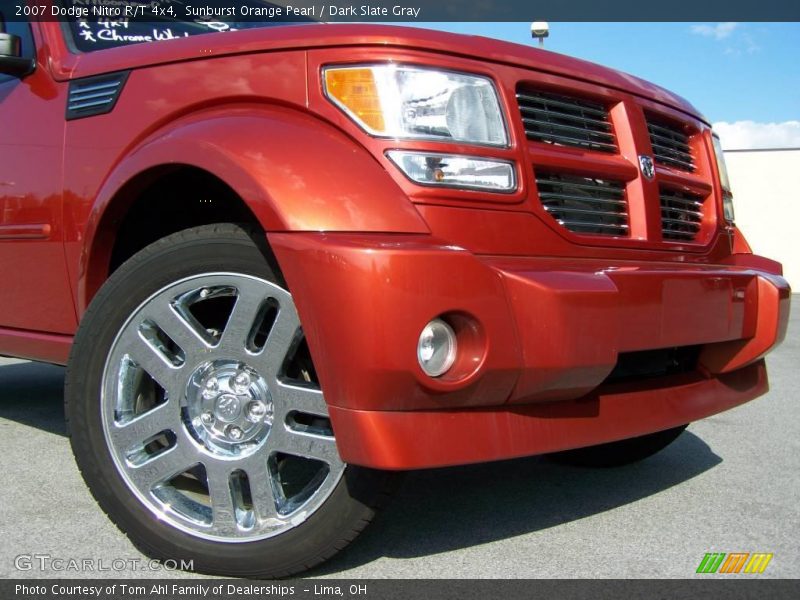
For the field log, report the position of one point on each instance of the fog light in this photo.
(436, 350)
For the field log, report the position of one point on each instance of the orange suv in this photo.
(284, 263)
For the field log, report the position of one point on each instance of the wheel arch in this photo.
(281, 170)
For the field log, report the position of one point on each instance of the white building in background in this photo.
(766, 195)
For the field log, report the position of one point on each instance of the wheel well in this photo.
(169, 201)
(155, 204)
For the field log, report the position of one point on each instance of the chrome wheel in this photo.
(212, 411)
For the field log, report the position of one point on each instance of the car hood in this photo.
(321, 35)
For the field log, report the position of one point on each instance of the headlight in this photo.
(727, 195)
(418, 103)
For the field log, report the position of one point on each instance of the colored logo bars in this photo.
(736, 562)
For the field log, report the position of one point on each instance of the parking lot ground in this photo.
(731, 483)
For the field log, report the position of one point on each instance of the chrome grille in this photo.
(565, 121)
(681, 215)
(670, 145)
(585, 204)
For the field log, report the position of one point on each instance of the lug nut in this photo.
(211, 387)
(234, 432)
(241, 383)
(204, 293)
(207, 418)
(256, 411)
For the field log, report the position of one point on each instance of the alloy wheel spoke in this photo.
(163, 466)
(176, 327)
(281, 339)
(161, 418)
(249, 300)
(304, 399)
(167, 375)
(261, 487)
(221, 497)
(308, 445)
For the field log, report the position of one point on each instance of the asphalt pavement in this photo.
(730, 483)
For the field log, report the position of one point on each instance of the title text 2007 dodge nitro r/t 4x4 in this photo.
(282, 264)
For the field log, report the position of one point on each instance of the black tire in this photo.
(350, 505)
(618, 454)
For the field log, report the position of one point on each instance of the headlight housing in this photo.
(727, 195)
(405, 102)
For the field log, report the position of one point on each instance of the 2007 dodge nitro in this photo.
(284, 263)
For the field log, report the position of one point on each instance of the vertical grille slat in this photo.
(681, 215)
(585, 205)
(565, 121)
(670, 145)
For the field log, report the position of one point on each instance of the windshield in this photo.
(141, 21)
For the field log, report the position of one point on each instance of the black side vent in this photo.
(584, 204)
(94, 95)
(681, 215)
(670, 145)
(565, 121)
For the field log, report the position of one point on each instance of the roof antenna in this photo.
(540, 30)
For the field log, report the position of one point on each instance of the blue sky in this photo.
(742, 74)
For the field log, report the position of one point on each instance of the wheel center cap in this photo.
(228, 407)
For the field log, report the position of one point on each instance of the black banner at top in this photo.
(402, 10)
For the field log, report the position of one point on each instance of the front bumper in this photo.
(541, 337)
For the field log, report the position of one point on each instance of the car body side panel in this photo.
(34, 295)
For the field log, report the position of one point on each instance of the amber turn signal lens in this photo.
(355, 90)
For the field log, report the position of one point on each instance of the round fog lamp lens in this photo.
(436, 350)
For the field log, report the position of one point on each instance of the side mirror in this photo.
(11, 60)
